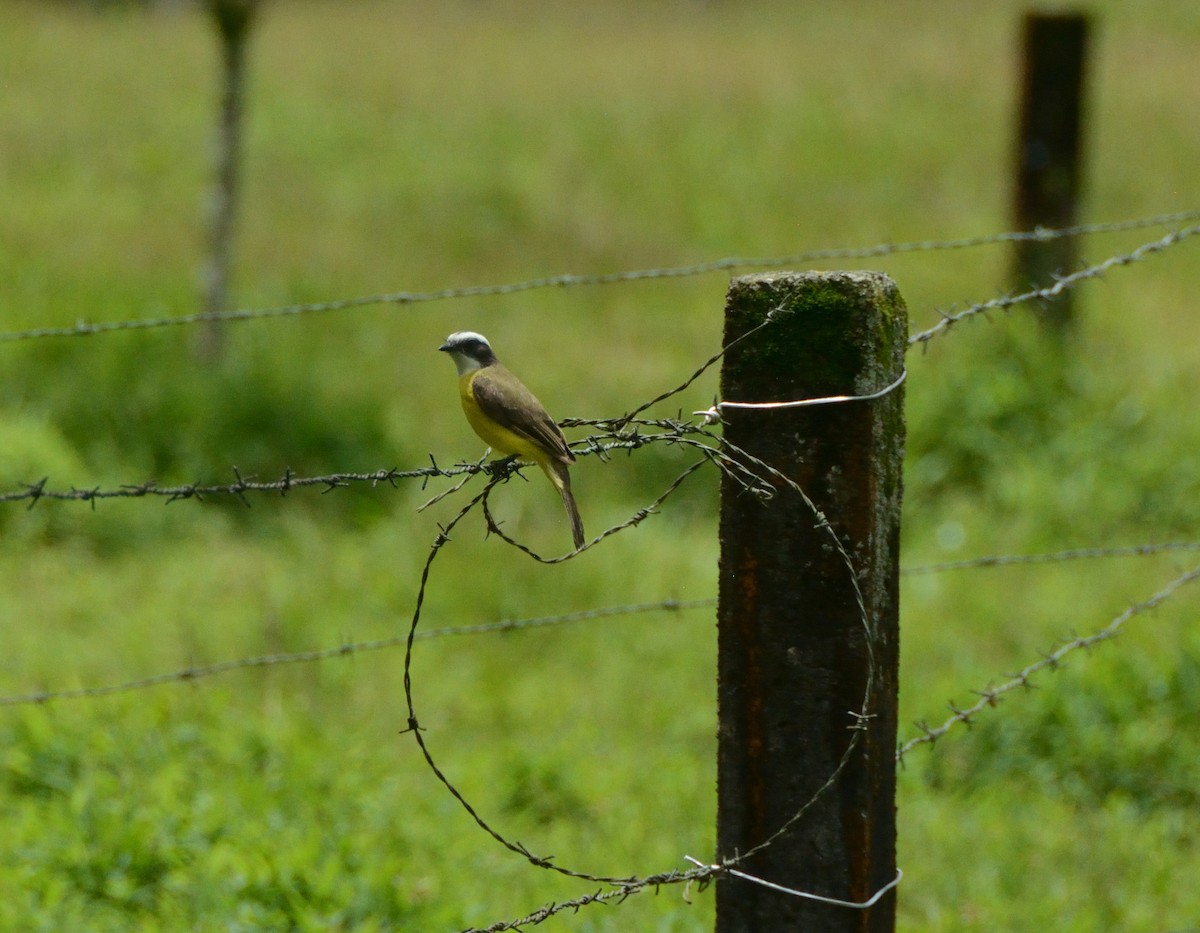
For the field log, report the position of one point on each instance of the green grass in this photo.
(397, 146)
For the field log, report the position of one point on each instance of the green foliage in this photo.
(1017, 407)
(136, 414)
(146, 401)
(121, 825)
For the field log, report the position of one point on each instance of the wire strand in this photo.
(83, 328)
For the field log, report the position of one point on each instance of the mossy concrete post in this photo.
(795, 655)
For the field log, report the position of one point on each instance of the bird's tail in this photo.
(557, 472)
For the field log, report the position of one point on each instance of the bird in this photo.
(509, 418)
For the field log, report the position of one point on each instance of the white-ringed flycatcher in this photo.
(508, 417)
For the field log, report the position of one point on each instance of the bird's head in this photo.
(469, 351)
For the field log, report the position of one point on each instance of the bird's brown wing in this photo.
(507, 401)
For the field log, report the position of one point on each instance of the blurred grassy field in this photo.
(403, 146)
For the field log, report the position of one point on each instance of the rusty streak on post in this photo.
(794, 660)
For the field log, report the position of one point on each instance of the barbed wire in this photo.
(35, 492)
(415, 729)
(84, 328)
(991, 696)
(1008, 560)
(1061, 284)
(702, 874)
(193, 673)
(618, 893)
(347, 649)
(615, 435)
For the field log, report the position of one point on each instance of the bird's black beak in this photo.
(444, 346)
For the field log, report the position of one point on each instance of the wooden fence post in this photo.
(1049, 148)
(795, 658)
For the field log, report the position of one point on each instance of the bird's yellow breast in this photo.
(491, 432)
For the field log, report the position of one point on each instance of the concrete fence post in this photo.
(795, 656)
